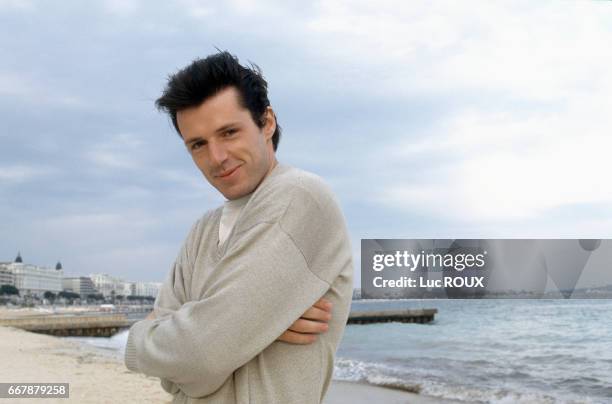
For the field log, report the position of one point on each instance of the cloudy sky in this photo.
(428, 118)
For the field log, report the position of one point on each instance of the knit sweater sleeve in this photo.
(272, 274)
(170, 298)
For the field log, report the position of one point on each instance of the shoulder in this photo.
(305, 183)
(312, 219)
(292, 185)
(287, 190)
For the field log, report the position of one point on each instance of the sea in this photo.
(478, 351)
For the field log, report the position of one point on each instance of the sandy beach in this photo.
(98, 378)
(93, 377)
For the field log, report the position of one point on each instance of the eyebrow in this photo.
(221, 129)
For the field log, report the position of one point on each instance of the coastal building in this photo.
(128, 289)
(146, 288)
(7, 277)
(108, 285)
(34, 279)
(81, 285)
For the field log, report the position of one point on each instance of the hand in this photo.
(314, 321)
(151, 316)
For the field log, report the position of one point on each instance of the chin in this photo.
(233, 194)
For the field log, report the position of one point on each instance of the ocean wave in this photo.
(384, 375)
(372, 373)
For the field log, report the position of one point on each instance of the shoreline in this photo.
(98, 378)
(362, 393)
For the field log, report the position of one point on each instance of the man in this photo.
(243, 316)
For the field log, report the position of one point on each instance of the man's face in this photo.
(232, 152)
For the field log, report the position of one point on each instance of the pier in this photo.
(63, 325)
(420, 316)
(101, 324)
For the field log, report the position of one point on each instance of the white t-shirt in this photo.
(231, 211)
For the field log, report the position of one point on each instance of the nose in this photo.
(217, 153)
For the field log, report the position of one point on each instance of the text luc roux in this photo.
(405, 260)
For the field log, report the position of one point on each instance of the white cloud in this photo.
(188, 180)
(443, 46)
(123, 8)
(532, 134)
(91, 230)
(196, 9)
(35, 91)
(121, 151)
(12, 84)
(21, 173)
(18, 5)
(507, 166)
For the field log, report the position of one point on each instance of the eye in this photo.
(229, 132)
(197, 145)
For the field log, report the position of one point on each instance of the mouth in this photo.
(228, 173)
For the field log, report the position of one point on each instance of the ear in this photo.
(270, 125)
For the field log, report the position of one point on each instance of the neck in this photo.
(272, 159)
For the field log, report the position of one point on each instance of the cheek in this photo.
(200, 163)
(258, 149)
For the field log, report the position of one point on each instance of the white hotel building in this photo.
(146, 288)
(7, 277)
(108, 285)
(32, 279)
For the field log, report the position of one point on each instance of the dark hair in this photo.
(204, 78)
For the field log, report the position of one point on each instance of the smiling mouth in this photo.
(228, 173)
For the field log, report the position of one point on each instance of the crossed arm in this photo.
(305, 329)
(266, 297)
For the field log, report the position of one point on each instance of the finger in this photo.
(307, 326)
(314, 313)
(297, 338)
(323, 304)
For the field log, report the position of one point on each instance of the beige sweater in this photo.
(222, 307)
